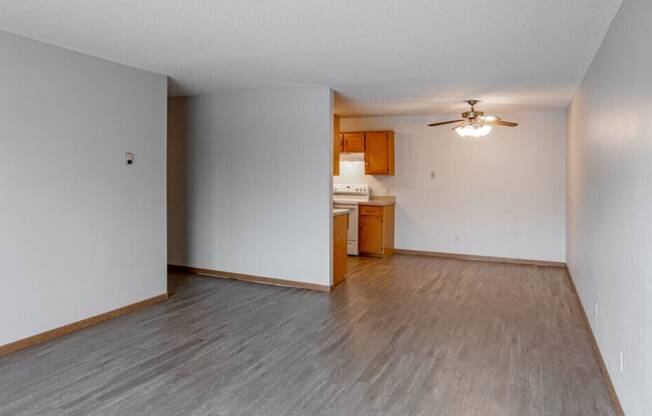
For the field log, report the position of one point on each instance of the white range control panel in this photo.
(351, 189)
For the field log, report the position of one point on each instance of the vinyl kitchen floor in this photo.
(403, 336)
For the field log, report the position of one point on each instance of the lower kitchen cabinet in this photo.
(340, 232)
(376, 230)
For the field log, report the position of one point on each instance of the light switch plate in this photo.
(595, 308)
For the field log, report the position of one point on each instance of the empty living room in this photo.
(326, 208)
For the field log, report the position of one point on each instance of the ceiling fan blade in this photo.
(445, 122)
(502, 123)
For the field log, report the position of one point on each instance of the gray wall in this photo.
(81, 234)
(609, 210)
(250, 179)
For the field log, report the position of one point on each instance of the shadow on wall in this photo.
(177, 161)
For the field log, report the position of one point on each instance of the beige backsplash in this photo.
(352, 171)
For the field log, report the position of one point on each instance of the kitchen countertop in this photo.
(381, 200)
(340, 211)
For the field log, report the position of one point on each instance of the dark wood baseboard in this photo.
(479, 258)
(596, 349)
(79, 325)
(250, 278)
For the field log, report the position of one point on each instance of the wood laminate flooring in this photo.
(403, 336)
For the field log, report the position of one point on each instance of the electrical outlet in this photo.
(433, 175)
(595, 309)
(621, 361)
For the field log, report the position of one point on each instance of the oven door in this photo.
(352, 238)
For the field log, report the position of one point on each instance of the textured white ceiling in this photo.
(381, 56)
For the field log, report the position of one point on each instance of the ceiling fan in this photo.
(476, 123)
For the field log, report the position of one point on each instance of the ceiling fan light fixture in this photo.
(475, 123)
(473, 131)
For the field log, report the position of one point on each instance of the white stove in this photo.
(348, 196)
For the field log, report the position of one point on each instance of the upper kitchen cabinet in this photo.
(353, 142)
(379, 153)
(377, 146)
(337, 145)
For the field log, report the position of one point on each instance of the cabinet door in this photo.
(370, 236)
(337, 145)
(376, 154)
(340, 234)
(353, 142)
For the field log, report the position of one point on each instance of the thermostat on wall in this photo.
(129, 158)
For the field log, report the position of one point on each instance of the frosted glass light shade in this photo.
(473, 131)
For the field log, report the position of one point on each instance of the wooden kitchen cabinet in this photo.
(379, 153)
(337, 145)
(378, 149)
(340, 256)
(353, 142)
(376, 230)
